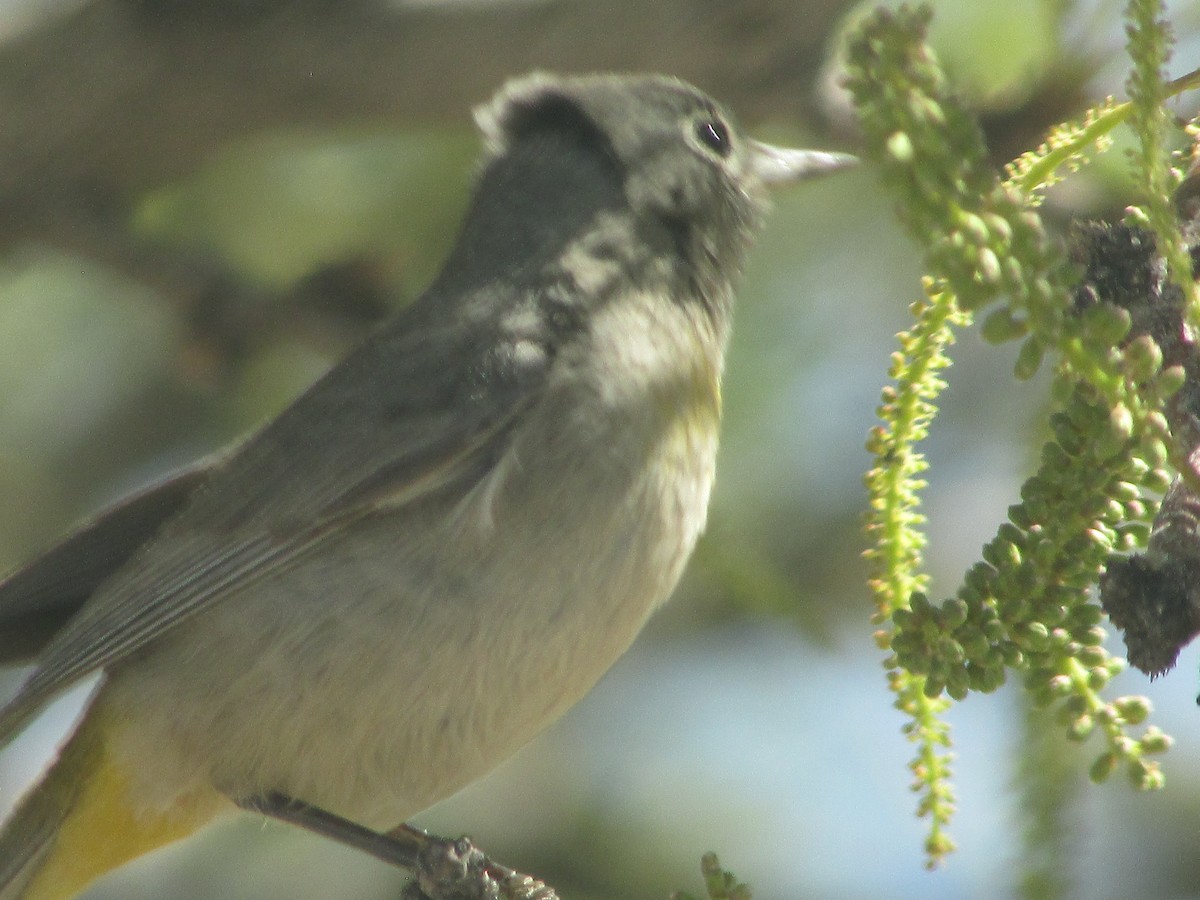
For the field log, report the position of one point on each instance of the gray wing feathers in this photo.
(37, 600)
(347, 448)
(105, 631)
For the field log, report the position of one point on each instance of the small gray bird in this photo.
(447, 540)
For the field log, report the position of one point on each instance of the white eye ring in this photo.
(713, 135)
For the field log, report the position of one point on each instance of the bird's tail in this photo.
(30, 832)
(78, 822)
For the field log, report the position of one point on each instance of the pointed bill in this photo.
(776, 166)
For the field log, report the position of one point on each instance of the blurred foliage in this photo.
(280, 206)
(719, 884)
(1050, 779)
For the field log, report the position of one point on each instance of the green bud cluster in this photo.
(1065, 149)
(894, 525)
(982, 239)
(1149, 49)
(1027, 604)
(932, 157)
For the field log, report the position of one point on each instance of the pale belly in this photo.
(415, 652)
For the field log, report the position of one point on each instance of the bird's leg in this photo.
(391, 849)
(443, 868)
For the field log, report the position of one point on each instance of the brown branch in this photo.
(121, 96)
(117, 97)
(1154, 597)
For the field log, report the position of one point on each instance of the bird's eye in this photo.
(713, 134)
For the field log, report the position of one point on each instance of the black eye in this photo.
(713, 134)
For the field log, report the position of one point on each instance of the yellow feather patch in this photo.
(104, 828)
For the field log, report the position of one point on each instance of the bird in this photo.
(441, 545)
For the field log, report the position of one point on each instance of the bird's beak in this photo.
(775, 166)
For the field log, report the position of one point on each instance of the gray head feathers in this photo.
(648, 147)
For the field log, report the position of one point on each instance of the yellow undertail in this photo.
(78, 822)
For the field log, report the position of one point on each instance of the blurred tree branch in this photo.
(120, 96)
(104, 100)
(109, 99)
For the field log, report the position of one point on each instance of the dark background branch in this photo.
(120, 96)
(114, 98)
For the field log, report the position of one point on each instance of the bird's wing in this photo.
(417, 409)
(38, 600)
